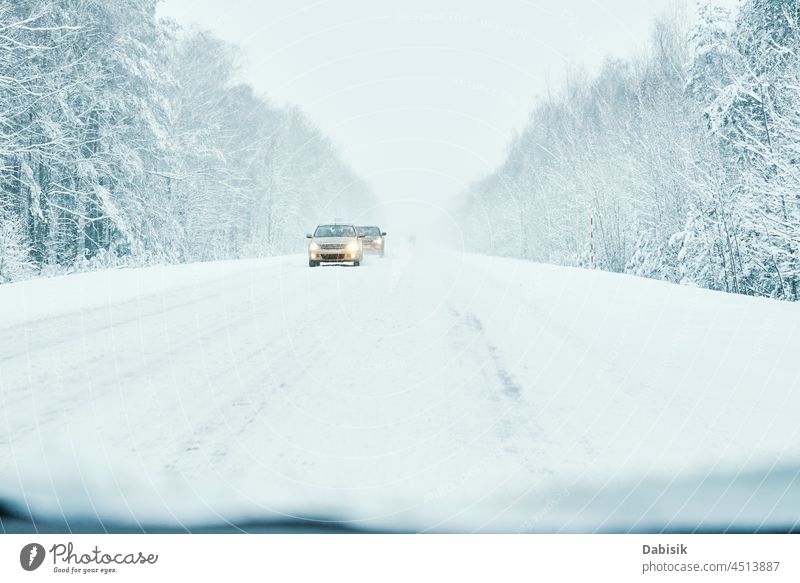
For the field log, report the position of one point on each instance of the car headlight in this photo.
(352, 246)
(379, 242)
(313, 247)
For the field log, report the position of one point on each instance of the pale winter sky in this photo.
(422, 96)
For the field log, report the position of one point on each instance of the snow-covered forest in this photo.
(682, 164)
(125, 140)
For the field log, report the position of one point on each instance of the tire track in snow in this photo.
(149, 369)
(510, 425)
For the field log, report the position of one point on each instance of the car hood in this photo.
(760, 499)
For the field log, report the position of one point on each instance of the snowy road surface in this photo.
(425, 391)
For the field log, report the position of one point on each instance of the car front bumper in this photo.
(333, 256)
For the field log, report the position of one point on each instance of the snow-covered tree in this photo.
(14, 249)
(680, 164)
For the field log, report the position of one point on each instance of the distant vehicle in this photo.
(335, 243)
(372, 239)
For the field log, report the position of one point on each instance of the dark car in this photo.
(372, 239)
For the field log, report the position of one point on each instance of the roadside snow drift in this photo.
(425, 391)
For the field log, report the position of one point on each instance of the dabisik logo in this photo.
(31, 556)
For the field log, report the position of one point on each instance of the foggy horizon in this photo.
(423, 99)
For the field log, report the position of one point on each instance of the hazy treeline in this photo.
(682, 164)
(124, 139)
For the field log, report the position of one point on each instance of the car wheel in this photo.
(312, 263)
(356, 263)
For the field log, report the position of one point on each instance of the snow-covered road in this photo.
(425, 391)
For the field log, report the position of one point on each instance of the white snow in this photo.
(426, 391)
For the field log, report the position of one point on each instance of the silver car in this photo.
(335, 243)
(374, 240)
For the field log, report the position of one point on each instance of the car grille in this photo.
(332, 246)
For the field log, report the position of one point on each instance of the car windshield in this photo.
(369, 231)
(583, 317)
(335, 231)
